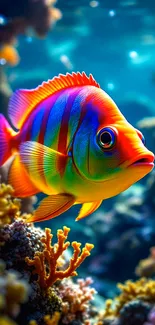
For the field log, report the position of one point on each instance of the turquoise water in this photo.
(115, 41)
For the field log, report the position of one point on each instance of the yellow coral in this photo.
(48, 320)
(6, 321)
(54, 320)
(143, 289)
(9, 208)
(146, 267)
(52, 253)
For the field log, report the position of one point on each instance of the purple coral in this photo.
(19, 241)
(151, 317)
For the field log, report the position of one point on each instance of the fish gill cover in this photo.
(115, 41)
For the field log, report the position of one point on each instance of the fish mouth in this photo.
(143, 160)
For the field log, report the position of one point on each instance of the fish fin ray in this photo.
(88, 208)
(40, 161)
(20, 180)
(24, 101)
(52, 206)
(6, 134)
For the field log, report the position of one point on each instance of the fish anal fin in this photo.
(24, 101)
(52, 206)
(20, 180)
(88, 208)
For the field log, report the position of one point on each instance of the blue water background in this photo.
(114, 43)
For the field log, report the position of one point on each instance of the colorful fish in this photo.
(73, 144)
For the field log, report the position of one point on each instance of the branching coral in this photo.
(20, 241)
(52, 253)
(136, 298)
(9, 208)
(76, 299)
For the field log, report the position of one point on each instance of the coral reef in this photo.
(13, 291)
(9, 209)
(51, 254)
(42, 297)
(76, 299)
(146, 267)
(132, 306)
(19, 240)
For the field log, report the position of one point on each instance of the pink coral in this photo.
(76, 298)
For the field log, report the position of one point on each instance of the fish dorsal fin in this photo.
(24, 101)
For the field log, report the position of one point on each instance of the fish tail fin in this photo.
(6, 134)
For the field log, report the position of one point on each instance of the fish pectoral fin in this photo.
(41, 161)
(20, 180)
(88, 208)
(52, 206)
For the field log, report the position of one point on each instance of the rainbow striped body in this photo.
(71, 145)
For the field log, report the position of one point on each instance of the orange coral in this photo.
(50, 255)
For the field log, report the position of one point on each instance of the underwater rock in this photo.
(18, 241)
(135, 312)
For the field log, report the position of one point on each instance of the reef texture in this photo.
(49, 295)
(36, 286)
(133, 305)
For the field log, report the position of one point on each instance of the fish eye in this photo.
(106, 138)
